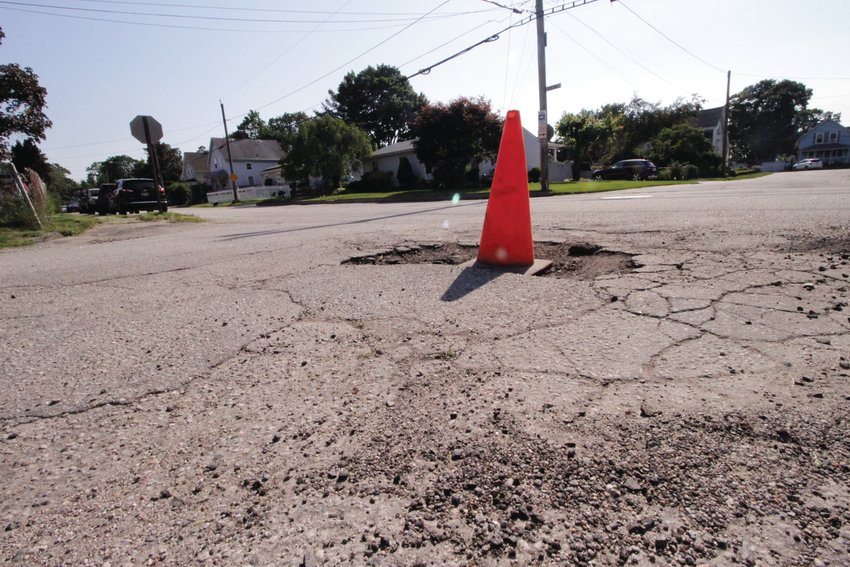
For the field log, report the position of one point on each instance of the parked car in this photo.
(808, 163)
(132, 196)
(88, 198)
(71, 207)
(638, 169)
(104, 202)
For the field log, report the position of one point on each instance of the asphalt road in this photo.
(232, 393)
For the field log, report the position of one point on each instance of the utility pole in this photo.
(725, 163)
(229, 157)
(542, 118)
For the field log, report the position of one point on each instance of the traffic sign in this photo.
(233, 177)
(154, 128)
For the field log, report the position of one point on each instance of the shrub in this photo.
(14, 212)
(199, 193)
(534, 175)
(371, 182)
(178, 193)
(486, 180)
(406, 177)
(690, 171)
(675, 169)
(664, 174)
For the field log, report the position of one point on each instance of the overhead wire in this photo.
(668, 38)
(209, 18)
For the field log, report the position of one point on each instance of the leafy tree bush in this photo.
(676, 170)
(325, 147)
(178, 193)
(534, 175)
(372, 182)
(405, 175)
(199, 193)
(378, 100)
(450, 137)
(15, 213)
(690, 171)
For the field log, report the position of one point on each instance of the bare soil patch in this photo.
(580, 260)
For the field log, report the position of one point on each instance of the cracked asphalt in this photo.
(232, 393)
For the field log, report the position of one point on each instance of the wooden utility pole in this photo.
(725, 163)
(229, 157)
(542, 117)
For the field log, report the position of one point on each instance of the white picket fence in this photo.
(250, 193)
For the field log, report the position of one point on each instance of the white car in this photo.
(809, 163)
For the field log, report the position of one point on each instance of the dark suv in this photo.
(638, 169)
(137, 194)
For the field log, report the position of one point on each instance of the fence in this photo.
(250, 193)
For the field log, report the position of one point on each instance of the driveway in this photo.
(239, 392)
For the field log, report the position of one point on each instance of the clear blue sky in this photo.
(104, 62)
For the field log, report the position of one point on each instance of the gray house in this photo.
(710, 121)
(829, 141)
(195, 167)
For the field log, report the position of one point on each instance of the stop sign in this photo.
(137, 129)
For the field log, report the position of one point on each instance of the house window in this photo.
(248, 166)
(251, 180)
(215, 164)
(833, 137)
(819, 138)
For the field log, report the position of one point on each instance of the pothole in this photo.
(579, 260)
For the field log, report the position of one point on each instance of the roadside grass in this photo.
(752, 175)
(588, 186)
(61, 223)
(169, 217)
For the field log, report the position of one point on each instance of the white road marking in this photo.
(627, 197)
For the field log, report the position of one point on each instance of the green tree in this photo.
(453, 137)
(252, 127)
(587, 137)
(378, 100)
(404, 174)
(326, 147)
(767, 118)
(684, 143)
(640, 121)
(284, 128)
(170, 163)
(22, 104)
(60, 183)
(111, 169)
(28, 154)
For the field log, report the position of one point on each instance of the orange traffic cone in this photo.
(506, 237)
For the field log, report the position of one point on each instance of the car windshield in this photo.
(138, 184)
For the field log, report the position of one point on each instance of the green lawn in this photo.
(70, 224)
(62, 223)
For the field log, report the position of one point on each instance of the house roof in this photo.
(709, 117)
(250, 150)
(198, 161)
(825, 125)
(403, 147)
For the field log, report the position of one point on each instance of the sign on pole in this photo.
(137, 129)
(541, 125)
(148, 131)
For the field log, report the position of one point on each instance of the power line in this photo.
(273, 10)
(213, 18)
(628, 55)
(184, 27)
(374, 47)
(671, 40)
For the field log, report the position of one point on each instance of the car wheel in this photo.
(636, 177)
(163, 209)
(597, 177)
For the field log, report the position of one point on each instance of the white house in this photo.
(195, 167)
(387, 159)
(711, 122)
(829, 141)
(250, 158)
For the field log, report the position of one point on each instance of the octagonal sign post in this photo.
(147, 130)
